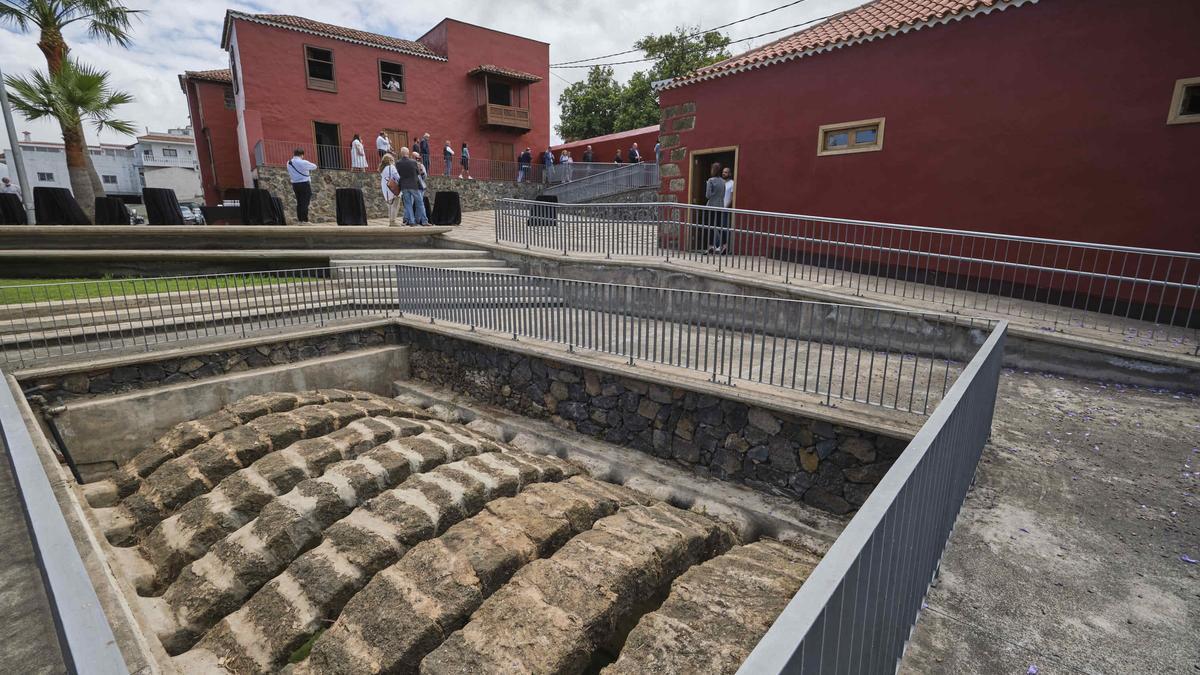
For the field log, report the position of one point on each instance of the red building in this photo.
(294, 82)
(1069, 119)
(604, 148)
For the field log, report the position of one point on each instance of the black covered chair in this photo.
(259, 207)
(12, 211)
(111, 211)
(162, 207)
(351, 207)
(540, 215)
(447, 208)
(57, 206)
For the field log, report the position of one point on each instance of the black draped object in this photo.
(57, 206)
(12, 211)
(543, 215)
(111, 211)
(447, 208)
(351, 207)
(259, 207)
(162, 207)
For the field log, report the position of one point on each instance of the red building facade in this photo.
(604, 148)
(302, 83)
(1068, 119)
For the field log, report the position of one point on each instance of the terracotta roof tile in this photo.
(868, 21)
(218, 75)
(329, 30)
(503, 72)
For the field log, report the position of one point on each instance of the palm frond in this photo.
(78, 93)
(15, 15)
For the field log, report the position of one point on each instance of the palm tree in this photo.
(108, 20)
(78, 94)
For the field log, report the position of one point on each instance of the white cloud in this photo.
(178, 35)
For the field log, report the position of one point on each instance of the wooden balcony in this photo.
(504, 116)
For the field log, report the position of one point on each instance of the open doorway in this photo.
(329, 146)
(701, 168)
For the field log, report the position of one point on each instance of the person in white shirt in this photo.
(8, 187)
(358, 155)
(383, 144)
(387, 172)
(727, 176)
(300, 172)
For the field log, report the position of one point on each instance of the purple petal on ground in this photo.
(1188, 559)
(1032, 670)
(1025, 530)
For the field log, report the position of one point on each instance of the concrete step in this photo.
(397, 254)
(422, 262)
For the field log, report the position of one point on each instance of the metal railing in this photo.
(896, 359)
(623, 177)
(855, 612)
(1138, 296)
(84, 634)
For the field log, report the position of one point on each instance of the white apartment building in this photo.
(168, 160)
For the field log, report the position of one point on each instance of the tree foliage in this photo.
(600, 105)
(78, 94)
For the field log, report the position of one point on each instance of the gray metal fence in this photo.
(896, 359)
(855, 612)
(624, 177)
(1137, 296)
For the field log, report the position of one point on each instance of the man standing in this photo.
(634, 155)
(410, 189)
(587, 154)
(523, 164)
(7, 187)
(547, 164)
(424, 150)
(383, 144)
(447, 157)
(658, 153)
(300, 171)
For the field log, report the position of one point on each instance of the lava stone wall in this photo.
(828, 466)
(474, 195)
(187, 368)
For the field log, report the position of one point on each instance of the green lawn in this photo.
(27, 290)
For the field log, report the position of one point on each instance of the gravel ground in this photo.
(1075, 551)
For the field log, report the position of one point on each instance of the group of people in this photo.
(420, 152)
(718, 191)
(402, 182)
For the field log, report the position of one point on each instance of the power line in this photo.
(696, 34)
(732, 42)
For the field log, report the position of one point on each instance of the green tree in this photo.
(108, 20)
(589, 107)
(600, 105)
(76, 95)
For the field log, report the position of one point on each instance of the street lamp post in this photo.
(26, 190)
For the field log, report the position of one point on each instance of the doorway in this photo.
(702, 162)
(329, 147)
(502, 167)
(398, 139)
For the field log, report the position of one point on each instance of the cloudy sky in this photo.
(178, 35)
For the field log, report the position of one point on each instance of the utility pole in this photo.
(15, 153)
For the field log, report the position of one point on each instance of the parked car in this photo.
(191, 214)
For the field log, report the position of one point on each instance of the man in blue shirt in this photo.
(300, 171)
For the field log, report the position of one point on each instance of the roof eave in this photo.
(783, 58)
(250, 18)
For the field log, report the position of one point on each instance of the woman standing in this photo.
(714, 195)
(389, 182)
(358, 155)
(466, 161)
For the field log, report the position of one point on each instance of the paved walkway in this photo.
(640, 241)
(28, 641)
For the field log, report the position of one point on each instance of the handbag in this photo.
(393, 185)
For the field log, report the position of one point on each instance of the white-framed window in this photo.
(170, 152)
(1185, 102)
(850, 137)
(45, 177)
(108, 179)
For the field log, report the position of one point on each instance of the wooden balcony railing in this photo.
(504, 116)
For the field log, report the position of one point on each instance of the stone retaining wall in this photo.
(61, 388)
(828, 466)
(474, 194)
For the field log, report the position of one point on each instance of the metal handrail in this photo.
(855, 611)
(620, 179)
(84, 634)
(1138, 294)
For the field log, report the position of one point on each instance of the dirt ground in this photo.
(1075, 552)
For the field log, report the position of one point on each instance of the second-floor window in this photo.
(108, 179)
(147, 153)
(45, 177)
(318, 65)
(170, 152)
(391, 81)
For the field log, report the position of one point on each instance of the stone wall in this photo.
(828, 466)
(636, 196)
(474, 194)
(112, 380)
(677, 120)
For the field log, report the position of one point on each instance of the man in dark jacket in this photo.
(587, 154)
(425, 151)
(634, 155)
(523, 164)
(547, 164)
(410, 190)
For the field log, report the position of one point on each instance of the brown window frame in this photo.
(851, 129)
(1174, 116)
(386, 94)
(317, 83)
